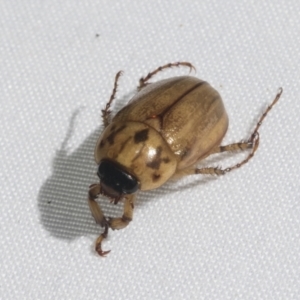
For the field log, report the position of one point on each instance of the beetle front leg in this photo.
(120, 223)
(98, 215)
(99, 241)
(96, 211)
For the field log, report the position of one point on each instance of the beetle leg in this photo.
(120, 223)
(98, 215)
(252, 143)
(96, 211)
(233, 147)
(144, 80)
(255, 143)
(218, 171)
(99, 241)
(106, 112)
(260, 121)
(215, 170)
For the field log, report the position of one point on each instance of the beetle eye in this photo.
(116, 178)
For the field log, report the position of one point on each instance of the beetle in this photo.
(162, 133)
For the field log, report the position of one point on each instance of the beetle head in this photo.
(115, 182)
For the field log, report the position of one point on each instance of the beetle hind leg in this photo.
(253, 141)
(260, 121)
(217, 171)
(106, 112)
(144, 80)
(252, 144)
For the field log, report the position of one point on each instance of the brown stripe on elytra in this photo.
(141, 136)
(211, 107)
(111, 137)
(178, 99)
(161, 115)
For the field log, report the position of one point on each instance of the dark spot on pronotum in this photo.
(111, 137)
(155, 177)
(102, 143)
(166, 160)
(141, 136)
(156, 161)
(154, 164)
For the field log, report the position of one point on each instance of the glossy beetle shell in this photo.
(167, 126)
(163, 132)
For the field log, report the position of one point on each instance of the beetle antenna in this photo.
(106, 112)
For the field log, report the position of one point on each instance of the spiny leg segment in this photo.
(96, 211)
(98, 215)
(120, 223)
(106, 112)
(252, 143)
(144, 80)
(113, 223)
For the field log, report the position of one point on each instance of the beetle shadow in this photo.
(62, 199)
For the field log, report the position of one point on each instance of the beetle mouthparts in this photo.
(109, 192)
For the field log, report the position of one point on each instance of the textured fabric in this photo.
(232, 237)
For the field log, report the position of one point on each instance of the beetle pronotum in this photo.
(162, 133)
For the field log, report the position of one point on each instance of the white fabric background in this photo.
(235, 237)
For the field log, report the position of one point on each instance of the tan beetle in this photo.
(163, 132)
